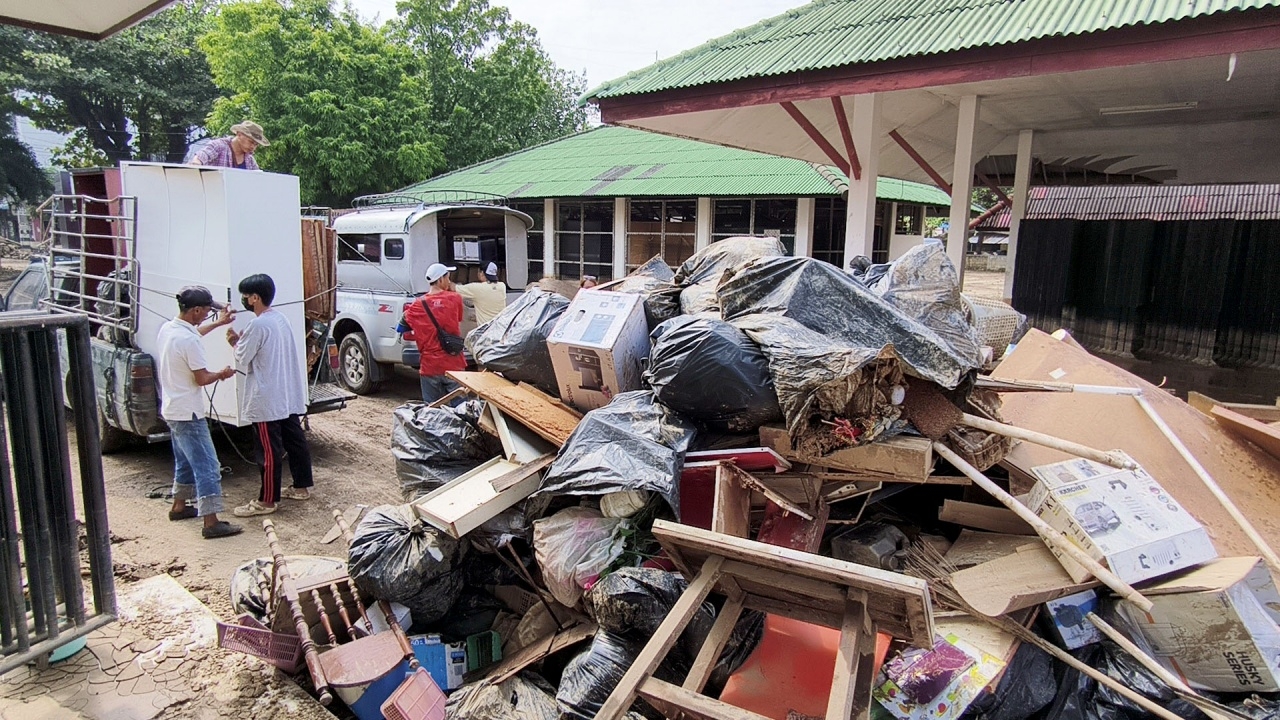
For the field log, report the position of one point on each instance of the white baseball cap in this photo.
(437, 271)
(491, 270)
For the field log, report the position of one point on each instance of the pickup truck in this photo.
(121, 260)
(384, 249)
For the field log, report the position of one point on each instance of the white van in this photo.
(384, 249)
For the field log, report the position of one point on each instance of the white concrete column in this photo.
(702, 229)
(620, 218)
(1021, 186)
(860, 230)
(548, 238)
(962, 182)
(805, 211)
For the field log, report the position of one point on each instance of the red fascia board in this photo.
(1232, 32)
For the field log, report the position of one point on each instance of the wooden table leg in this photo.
(851, 685)
(711, 649)
(660, 644)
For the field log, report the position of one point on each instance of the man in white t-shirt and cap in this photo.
(182, 371)
(488, 297)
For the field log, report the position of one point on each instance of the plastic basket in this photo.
(251, 637)
(417, 698)
(980, 448)
(483, 650)
(995, 322)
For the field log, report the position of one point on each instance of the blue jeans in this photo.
(435, 387)
(196, 471)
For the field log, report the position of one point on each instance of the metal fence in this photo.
(42, 593)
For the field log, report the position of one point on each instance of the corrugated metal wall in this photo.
(1207, 292)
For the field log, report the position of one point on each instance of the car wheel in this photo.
(111, 439)
(356, 367)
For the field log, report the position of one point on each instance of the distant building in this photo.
(606, 200)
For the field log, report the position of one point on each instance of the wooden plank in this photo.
(1260, 434)
(655, 651)
(692, 704)
(1024, 579)
(983, 517)
(519, 443)
(974, 548)
(731, 509)
(747, 480)
(537, 650)
(900, 604)
(900, 458)
(848, 697)
(1246, 474)
(466, 502)
(1261, 413)
(705, 663)
(550, 419)
(752, 459)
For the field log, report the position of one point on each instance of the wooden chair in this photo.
(855, 599)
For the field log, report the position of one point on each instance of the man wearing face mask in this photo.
(273, 396)
(182, 370)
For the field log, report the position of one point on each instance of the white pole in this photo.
(860, 230)
(1021, 186)
(962, 182)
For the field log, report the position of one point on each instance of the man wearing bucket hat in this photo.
(489, 297)
(432, 316)
(235, 150)
(182, 371)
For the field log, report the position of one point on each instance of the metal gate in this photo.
(42, 594)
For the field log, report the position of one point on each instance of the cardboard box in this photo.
(598, 346)
(1070, 622)
(446, 663)
(1122, 518)
(1218, 626)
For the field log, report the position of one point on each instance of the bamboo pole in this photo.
(1051, 537)
(1112, 458)
(1267, 553)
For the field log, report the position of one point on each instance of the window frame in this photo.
(575, 268)
(788, 239)
(663, 232)
(347, 245)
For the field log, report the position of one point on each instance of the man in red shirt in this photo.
(446, 309)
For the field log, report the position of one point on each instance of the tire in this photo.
(112, 439)
(356, 367)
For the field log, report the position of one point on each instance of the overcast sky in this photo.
(607, 39)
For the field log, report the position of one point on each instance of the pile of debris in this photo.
(756, 486)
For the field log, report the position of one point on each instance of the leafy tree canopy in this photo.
(20, 176)
(137, 94)
(493, 88)
(344, 106)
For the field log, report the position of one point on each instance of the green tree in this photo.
(78, 152)
(20, 175)
(493, 89)
(345, 107)
(138, 94)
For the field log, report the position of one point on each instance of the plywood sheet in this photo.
(1248, 475)
(899, 459)
(974, 548)
(1014, 582)
(547, 417)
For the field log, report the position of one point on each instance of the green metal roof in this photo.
(621, 162)
(835, 33)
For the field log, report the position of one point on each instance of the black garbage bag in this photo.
(924, 285)
(712, 372)
(700, 275)
(831, 303)
(1026, 687)
(653, 280)
(399, 558)
(823, 382)
(632, 602)
(1258, 707)
(590, 677)
(523, 697)
(1073, 698)
(709, 263)
(515, 342)
(633, 443)
(866, 272)
(435, 445)
(1118, 664)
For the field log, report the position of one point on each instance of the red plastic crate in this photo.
(417, 698)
